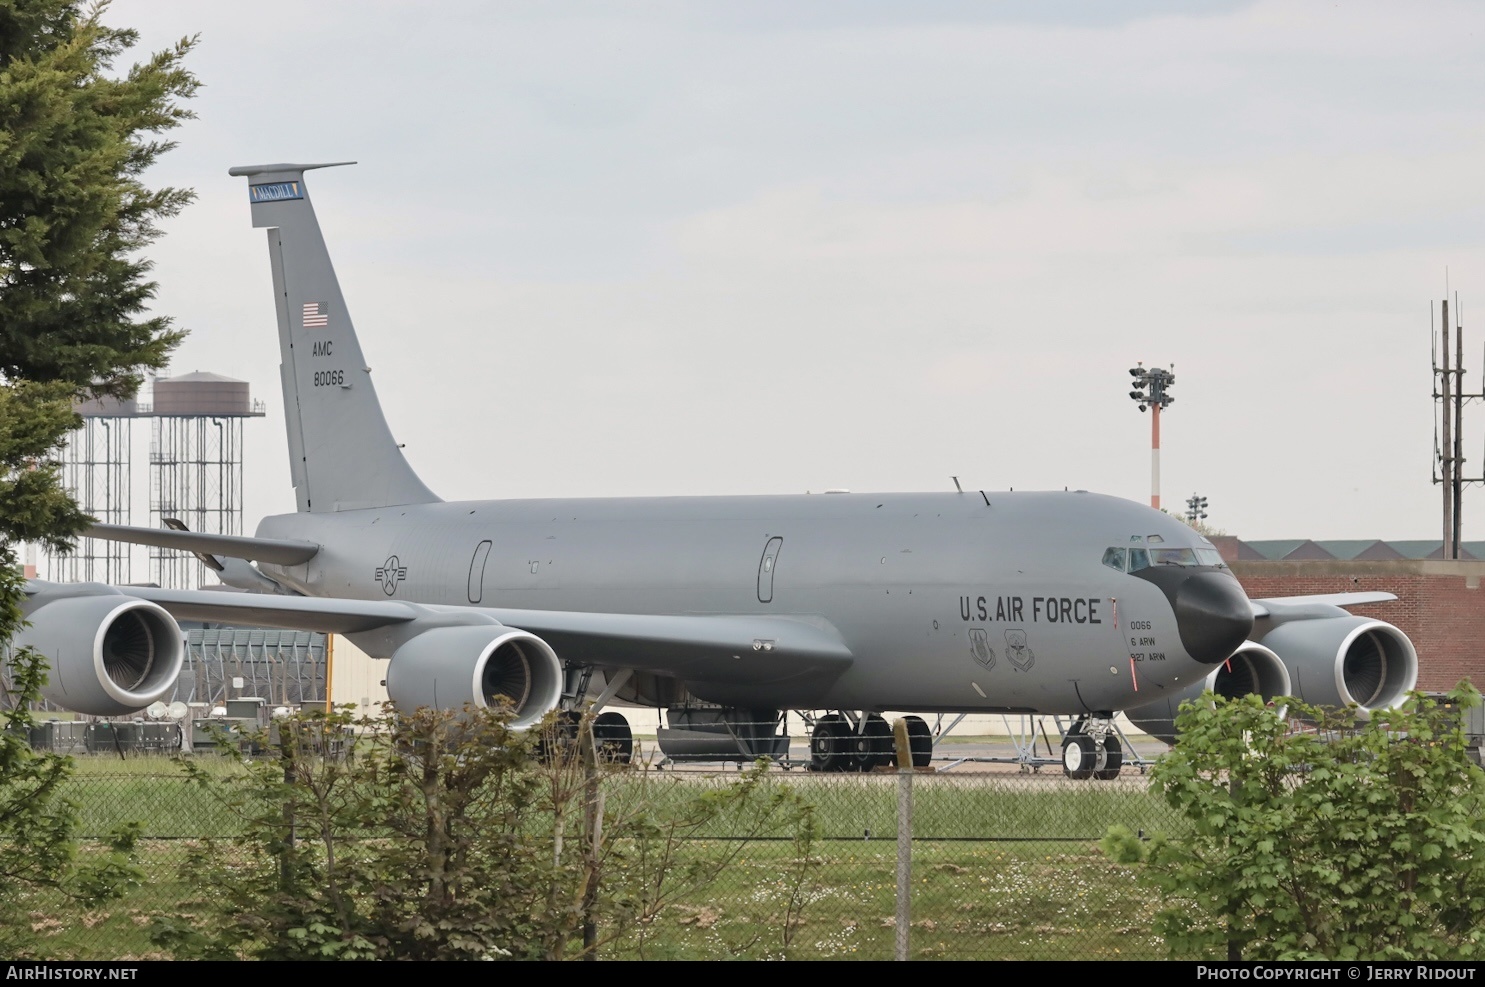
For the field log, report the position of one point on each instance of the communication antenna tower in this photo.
(1450, 398)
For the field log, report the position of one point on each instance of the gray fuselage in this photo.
(947, 602)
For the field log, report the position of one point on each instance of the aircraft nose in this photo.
(1212, 614)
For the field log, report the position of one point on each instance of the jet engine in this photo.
(447, 667)
(1252, 669)
(1336, 661)
(108, 654)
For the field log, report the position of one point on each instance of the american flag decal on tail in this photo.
(315, 316)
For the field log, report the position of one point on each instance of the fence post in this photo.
(288, 752)
(593, 813)
(904, 833)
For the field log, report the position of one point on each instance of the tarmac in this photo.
(957, 755)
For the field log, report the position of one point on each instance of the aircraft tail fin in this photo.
(342, 455)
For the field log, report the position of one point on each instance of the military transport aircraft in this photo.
(723, 611)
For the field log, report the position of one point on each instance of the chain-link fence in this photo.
(1003, 864)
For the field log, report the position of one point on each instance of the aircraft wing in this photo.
(275, 550)
(716, 647)
(300, 613)
(1260, 607)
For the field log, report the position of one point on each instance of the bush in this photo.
(1326, 835)
(38, 846)
(445, 836)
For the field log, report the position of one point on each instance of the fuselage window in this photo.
(1138, 559)
(1114, 559)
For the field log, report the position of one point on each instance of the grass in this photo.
(1004, 866)
(1021, 901)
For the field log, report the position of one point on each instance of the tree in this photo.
(74, 213)
(75, 142)
(1321, 835)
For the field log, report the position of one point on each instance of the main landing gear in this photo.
(863, 742)
(612, 737)
(1091, 749)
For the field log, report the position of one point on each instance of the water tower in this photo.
(95, 469)
(196, 465)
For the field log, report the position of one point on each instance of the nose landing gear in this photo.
(1091, 749)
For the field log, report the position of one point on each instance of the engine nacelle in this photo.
(1252, 670)
(447, 667)
(1336, 661)
(108, 654)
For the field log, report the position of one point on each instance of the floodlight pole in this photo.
(1155, 455)
(1196, 509)
(1152, 391)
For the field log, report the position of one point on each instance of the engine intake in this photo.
(448, 667)
(1342, 660)
(108, 654)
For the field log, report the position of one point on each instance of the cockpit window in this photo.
(1143, 558)
(1185, 556)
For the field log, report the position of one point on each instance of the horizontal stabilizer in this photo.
(1260, 608)
(273, 550)
(266, 169)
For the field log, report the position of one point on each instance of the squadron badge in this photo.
(979, 647)
(1017, 653)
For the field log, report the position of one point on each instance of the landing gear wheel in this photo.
(829, 750)
(559, 737)
(1080, 756)
(1113, 760)
(920, 741)
(613, 738)
(873, 745)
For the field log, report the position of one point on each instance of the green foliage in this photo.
(38, 849)
(34, 504)
(442, 836)
(1326, 835)
(75, 140)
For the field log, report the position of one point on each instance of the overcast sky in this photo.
(769, 247)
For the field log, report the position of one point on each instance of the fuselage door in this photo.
(765, 569)
(477, 571)
(1136, 623)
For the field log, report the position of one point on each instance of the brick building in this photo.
(1440, 605)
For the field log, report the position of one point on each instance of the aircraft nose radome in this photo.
(1213, 616)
